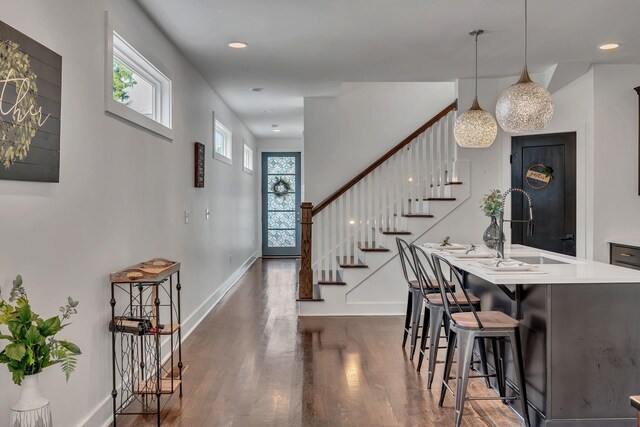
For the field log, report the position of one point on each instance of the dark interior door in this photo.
(554, 203)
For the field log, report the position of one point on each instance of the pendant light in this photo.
(524, 106)
(475, 128)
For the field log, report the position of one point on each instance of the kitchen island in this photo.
(580, 325)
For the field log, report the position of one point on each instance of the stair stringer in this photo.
(382, 281)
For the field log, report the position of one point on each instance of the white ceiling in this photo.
(301, 48)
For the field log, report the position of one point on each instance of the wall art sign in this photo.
(539, 176)
(198, 165)
(30, 94)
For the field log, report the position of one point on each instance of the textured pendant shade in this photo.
(524, 106)
(475, 128)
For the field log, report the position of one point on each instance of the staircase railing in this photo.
(395, 185)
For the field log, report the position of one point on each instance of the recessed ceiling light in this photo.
(609, 46)
(237, 45)
(257, 89)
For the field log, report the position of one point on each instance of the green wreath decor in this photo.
(15, 135)
(280, 188)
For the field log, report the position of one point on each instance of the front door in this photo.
(545, 167)
(281, 204)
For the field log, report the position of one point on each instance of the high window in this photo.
(138, 90)
(223, 142)
(247, 163)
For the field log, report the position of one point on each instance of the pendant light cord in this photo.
(477, 34)
(525, 33)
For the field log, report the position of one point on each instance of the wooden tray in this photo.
(153, 271)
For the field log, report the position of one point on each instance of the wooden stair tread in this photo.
(393, 231)
(351, 262)
(328, 277)
(416, 215)
(310, 300)
(454, 183)
(371, 247)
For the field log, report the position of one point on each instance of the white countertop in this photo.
(575, 271)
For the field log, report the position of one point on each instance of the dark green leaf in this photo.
(71, 347)
(18, 281)
(50, 326)
(33, 335)
(15, 351)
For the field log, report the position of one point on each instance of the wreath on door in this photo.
(539, 176)
(281, 188)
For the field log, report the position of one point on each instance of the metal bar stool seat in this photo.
(465, 328)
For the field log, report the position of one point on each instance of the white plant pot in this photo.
(32, 410)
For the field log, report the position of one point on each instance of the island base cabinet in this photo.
(581, 345)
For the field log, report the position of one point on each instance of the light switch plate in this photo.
(207, 213)
(186, 217)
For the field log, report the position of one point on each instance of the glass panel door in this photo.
(281, 204)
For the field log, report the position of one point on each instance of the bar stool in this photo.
(434, 313)
(465, 328)
(414, 300)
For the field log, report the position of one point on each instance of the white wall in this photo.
(615, 172)
(345, 134)
(121, 197)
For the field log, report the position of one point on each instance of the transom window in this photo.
(223, 143)
(138, 90)
(247, 164)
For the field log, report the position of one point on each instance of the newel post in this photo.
(305, 278)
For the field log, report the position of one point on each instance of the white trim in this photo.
(163, 103)
(103, 411)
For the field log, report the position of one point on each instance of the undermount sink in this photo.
(538, 260)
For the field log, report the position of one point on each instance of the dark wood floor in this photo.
(253, 362)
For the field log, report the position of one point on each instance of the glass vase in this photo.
(490, 236)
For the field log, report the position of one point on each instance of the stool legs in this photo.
(465, 351)
(407, 319)
(498, 361)
(427, 323)
(451, 346)
(415, 320)
(516, 349)
(483, 361)
(437, 314)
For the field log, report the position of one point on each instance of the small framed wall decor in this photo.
(198, 152)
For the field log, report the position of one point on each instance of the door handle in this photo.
(569, 236)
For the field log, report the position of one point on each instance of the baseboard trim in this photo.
(102, 414)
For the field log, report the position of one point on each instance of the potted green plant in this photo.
(491, 206)
(33, 346)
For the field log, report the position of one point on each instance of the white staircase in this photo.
(406, 193)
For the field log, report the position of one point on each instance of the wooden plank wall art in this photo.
(30, 93)
(198, 152)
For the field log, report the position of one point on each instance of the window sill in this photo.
(126, 113)
(222, 158)
(247, 170)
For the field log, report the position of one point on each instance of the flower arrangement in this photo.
(492, 203)
(32, 343)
